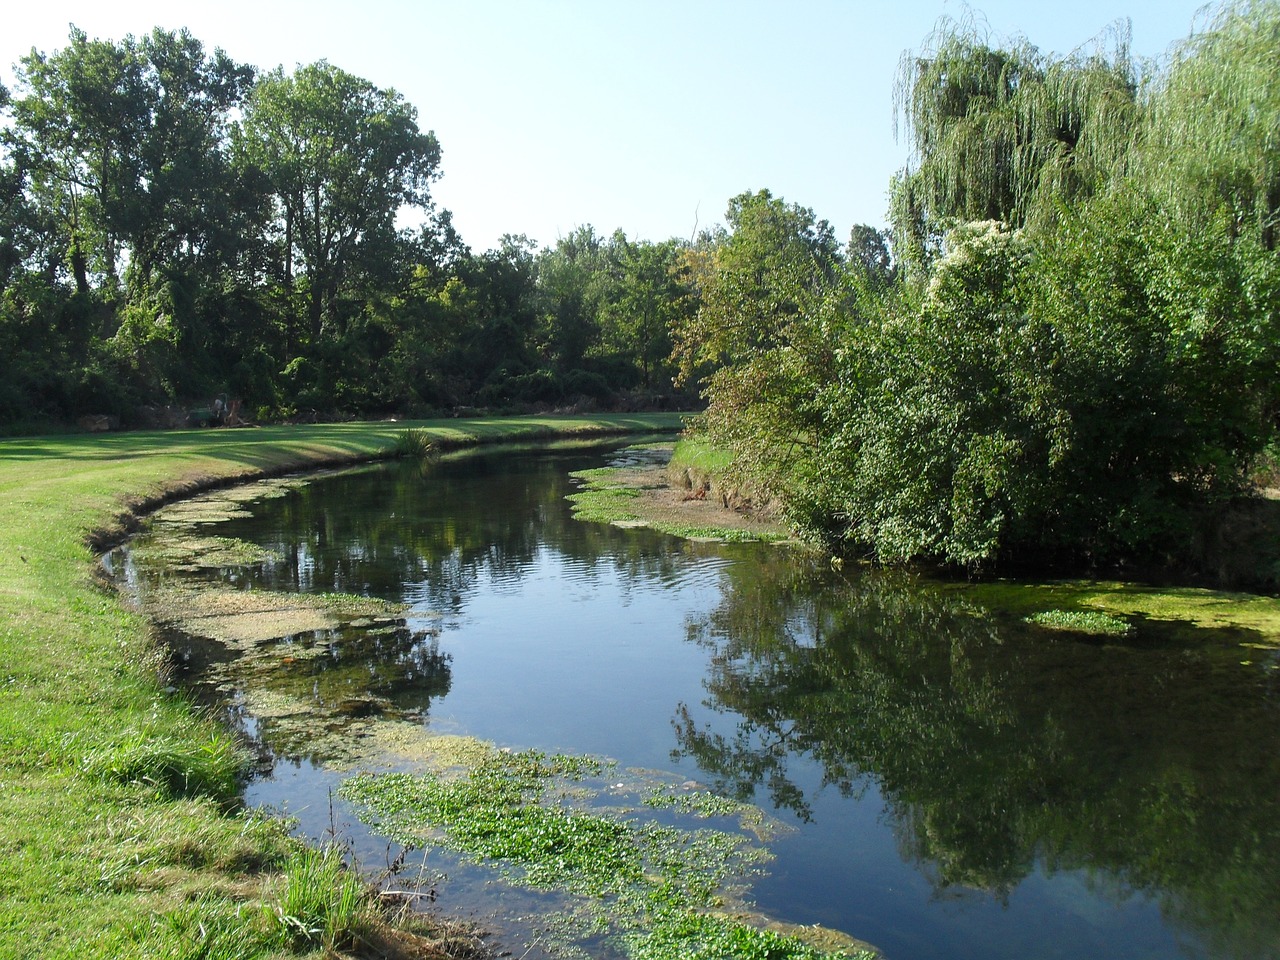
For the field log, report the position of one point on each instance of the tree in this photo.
(569, 278)
(1211, 148)
(869, 255)
(641, 304)
(776, 262)
(1003, 133)
(768, 293)
(79, 120)
(191, 210)
(342, 158)
(497, 344)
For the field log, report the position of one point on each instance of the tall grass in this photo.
(413, 444)
(177, 766)
(322, 903)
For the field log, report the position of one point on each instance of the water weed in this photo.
(1082, 621)
(645, 886)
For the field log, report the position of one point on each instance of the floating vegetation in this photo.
(241, 617)
(1199, 614)
(648, 887)
(1082, 621)
(196, 553)
(702, 803)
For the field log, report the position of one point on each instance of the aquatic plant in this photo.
(648, 886)
(413, 444)
(1082, 621)
(703, 936)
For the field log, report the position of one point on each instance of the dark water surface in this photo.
(961, 784)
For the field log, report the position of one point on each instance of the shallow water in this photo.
(959, 783)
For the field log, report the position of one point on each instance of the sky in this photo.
(640, 115)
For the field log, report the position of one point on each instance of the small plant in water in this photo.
(1082, 621)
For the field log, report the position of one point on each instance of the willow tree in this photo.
(1213, 144)
(1001, 133)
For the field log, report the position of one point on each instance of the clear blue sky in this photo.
(646, 115)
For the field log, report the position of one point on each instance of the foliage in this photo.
(175, 227)
(1005, 133)
(710, 937)
(1074, 364)
(413, 444)
(1210, 150)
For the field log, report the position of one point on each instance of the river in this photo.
(944, 780)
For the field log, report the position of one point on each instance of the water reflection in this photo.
(999, 748)
(1045, 786)
(435, 533)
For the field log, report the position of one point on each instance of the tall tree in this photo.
(763, 324)
(642, 303)
(342, 158)
(78, 121)
(869, 254)
(776, 262)
(187, 210)
(569, 284)
(999, 133)
(1212, 148)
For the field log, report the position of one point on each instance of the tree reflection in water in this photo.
(1149, 764)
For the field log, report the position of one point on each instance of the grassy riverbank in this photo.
(117, 836)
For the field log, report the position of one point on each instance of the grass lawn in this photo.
(119, 831)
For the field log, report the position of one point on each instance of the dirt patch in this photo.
(680, 507)
(639, 492)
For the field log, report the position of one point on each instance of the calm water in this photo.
(961, 785)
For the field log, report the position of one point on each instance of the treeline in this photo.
(1072, 355)
(1064, 349)
(176, 226)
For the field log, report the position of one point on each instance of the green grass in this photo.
(118, 834)
(321, 904)
(699, 457)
